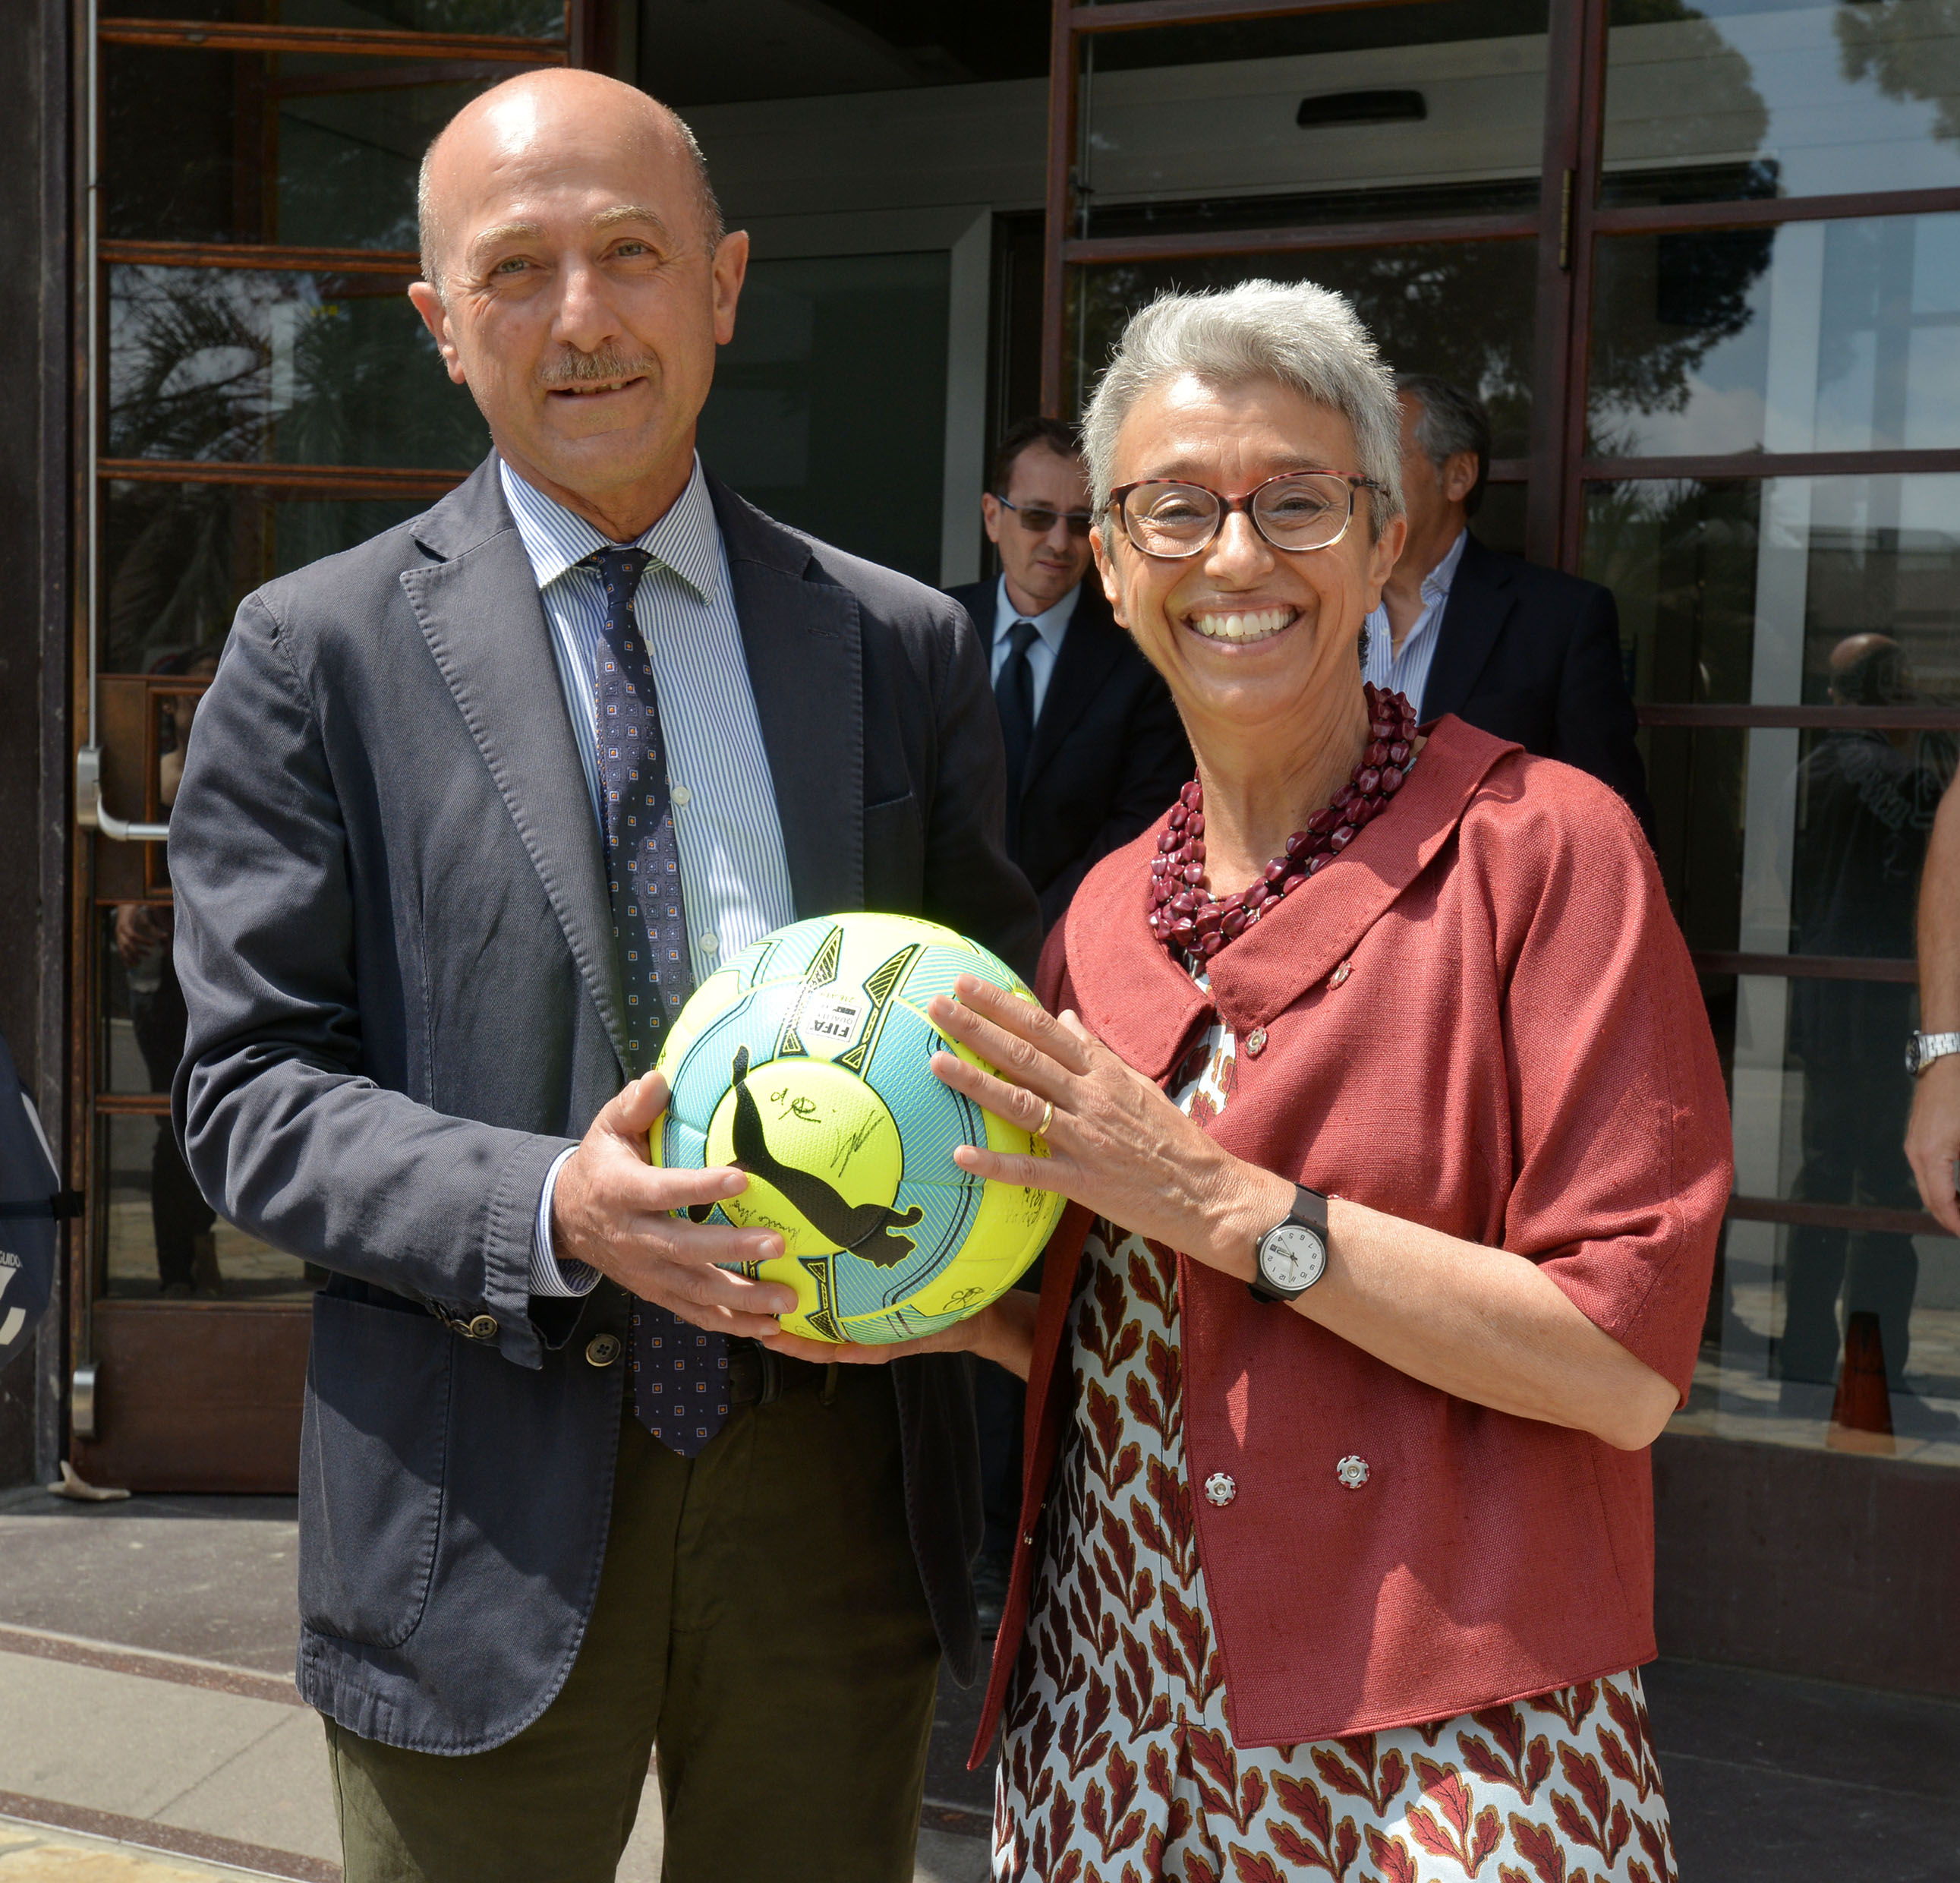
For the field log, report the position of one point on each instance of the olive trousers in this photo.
(760, 1621)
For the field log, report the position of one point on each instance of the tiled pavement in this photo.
(149, 1732)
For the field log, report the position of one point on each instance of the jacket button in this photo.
(1353, 1472)
(1220, 1489)
(1255, 1042)
(603, 1349)
(484, 1327)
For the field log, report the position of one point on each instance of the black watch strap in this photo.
(1309, 1211)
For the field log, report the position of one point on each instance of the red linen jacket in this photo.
(1518, 1055)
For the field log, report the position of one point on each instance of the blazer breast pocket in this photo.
(373, 1447)
(894, 856)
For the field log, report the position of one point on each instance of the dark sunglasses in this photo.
(1038, 520)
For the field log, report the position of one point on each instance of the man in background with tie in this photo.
(470, 810)
(1094, 751)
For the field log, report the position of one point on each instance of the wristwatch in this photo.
(1292, 1255)
(1922, 1049)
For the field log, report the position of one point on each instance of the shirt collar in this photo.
(1436, 584)
(556, 539)
(1051, 624)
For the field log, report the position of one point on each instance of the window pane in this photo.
(1738, 98)
(1464, 310)
(160, 1236)
(1820, 1098)
(829, 408)
(178, 559)
(1793, 590)
(1405, 110)
(520, 19)
(303, 149)
(1816, 336)
(265, 365)
(732, 50)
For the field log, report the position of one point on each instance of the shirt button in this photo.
(484, 1327)
(602, 1349)
(681, 794)
(709, 945)
(1255, 1042)
(1220, 1489)
(1352, 1471)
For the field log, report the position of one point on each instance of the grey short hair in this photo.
(428, 234)
(1306, 337)
(1452, 420)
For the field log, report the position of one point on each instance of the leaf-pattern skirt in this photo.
(1117, 1765)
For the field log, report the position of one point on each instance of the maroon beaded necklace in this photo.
(1185, 914)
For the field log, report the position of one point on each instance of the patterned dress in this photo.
(1117, 1765)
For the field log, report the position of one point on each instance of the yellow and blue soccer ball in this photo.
(807, 1061)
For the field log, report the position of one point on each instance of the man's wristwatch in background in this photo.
(1292, 1255)
(1922, 1049)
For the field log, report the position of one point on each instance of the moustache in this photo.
(574, 368)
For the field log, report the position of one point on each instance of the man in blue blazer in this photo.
(469, 810)
(1526, 653)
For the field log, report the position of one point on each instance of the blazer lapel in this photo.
(479, 611)
(805, 670)
(1089, 652)
(1481, 599)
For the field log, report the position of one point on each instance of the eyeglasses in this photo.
(1037, 519)
(1302, 510)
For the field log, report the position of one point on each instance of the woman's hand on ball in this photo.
(612, 1210)
(1115, 1142)
(1003, 1332)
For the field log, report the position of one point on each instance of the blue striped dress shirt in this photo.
(735, 876)
(1408, 672)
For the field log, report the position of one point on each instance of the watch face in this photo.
(1292, 1256)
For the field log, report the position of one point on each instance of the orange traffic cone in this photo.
(1861, 1416)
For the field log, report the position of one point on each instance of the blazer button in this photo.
(484, 1327)
(1353, 1472)
(602, 1349)
(1255, 1042)
(1220, 1489)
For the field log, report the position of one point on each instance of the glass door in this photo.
(262, 395)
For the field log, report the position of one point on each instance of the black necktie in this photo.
(1014, 694)
(679, 1374)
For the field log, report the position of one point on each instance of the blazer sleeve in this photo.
(1156, 764)
(970, 884)
(285, 1135)
(1596, 723)
(1620, 1119)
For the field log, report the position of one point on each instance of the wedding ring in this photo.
(1047, 1119)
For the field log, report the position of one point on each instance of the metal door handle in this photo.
(93, 814)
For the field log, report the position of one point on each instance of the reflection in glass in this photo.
(178, 559)
(307, 149)
(829, 408)
(1463, 310)
(1788, 592)
(1738, 98)
(1407, 110)
(244, 365)
(1804, 1315)
(516, 19)
(1816, 336)
(160, 1239)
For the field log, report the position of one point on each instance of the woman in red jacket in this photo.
(1382, 1086)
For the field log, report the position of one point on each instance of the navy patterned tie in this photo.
(679, 1374)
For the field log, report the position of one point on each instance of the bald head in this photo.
(522, 120)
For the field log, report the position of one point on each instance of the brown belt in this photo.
(756, 1376)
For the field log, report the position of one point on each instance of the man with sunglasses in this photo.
(1095, 750)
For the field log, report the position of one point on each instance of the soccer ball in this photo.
(805, 1060)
